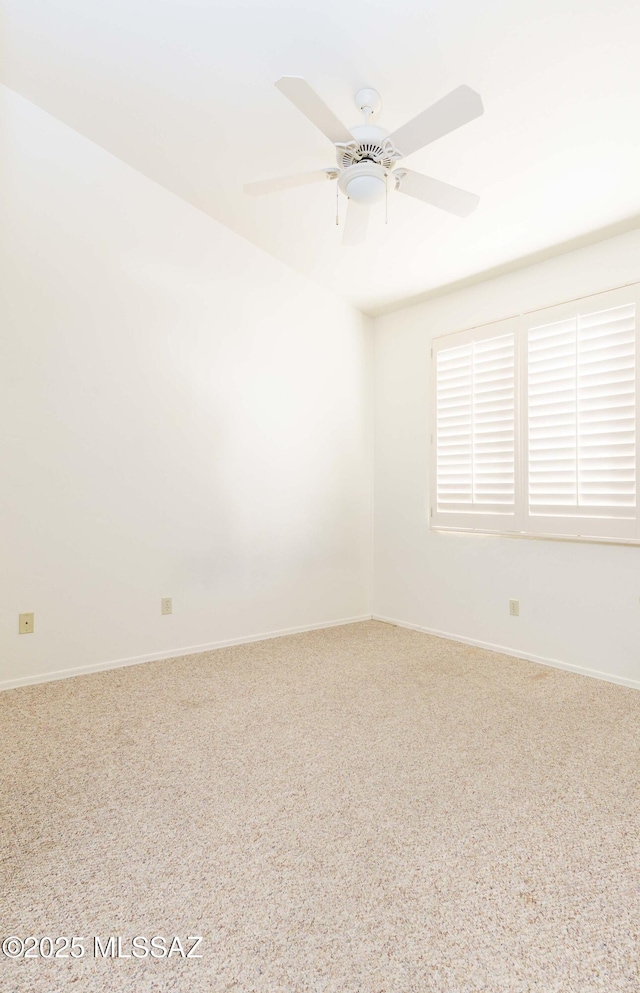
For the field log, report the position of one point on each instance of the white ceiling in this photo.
(183, 91)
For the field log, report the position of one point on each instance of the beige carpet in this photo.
(357, 809)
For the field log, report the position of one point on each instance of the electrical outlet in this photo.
(166, 605)
(25, 623)
(514, 608)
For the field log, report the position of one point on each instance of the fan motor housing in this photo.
(369, 144)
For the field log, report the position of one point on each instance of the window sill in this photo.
(537, 537)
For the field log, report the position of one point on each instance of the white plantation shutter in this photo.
(552, 412)
(454, 427)
(475, 431)
(494, 423)
(581, 431)
(535, 423)
(607, 409)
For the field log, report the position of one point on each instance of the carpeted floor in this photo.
(363, 809)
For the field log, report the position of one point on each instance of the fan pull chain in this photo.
(386, 199)
(337, 206)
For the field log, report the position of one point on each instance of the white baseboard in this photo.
(514, 653)
(83, 670)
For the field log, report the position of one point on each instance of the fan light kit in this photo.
(367, 155)
(364, 183)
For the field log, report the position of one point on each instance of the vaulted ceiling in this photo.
(183, 91)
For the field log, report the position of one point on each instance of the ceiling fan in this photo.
(367, 155)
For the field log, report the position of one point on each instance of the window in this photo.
(535, 423)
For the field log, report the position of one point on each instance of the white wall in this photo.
(180, 415)
(579, 602)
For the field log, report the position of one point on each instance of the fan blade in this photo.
(457, 108)
(307, 100)
(438, 194)
(356, 224)
(287, 182)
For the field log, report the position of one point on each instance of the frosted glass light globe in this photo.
(366, 189)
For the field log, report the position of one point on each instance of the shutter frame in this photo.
(589, 523)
